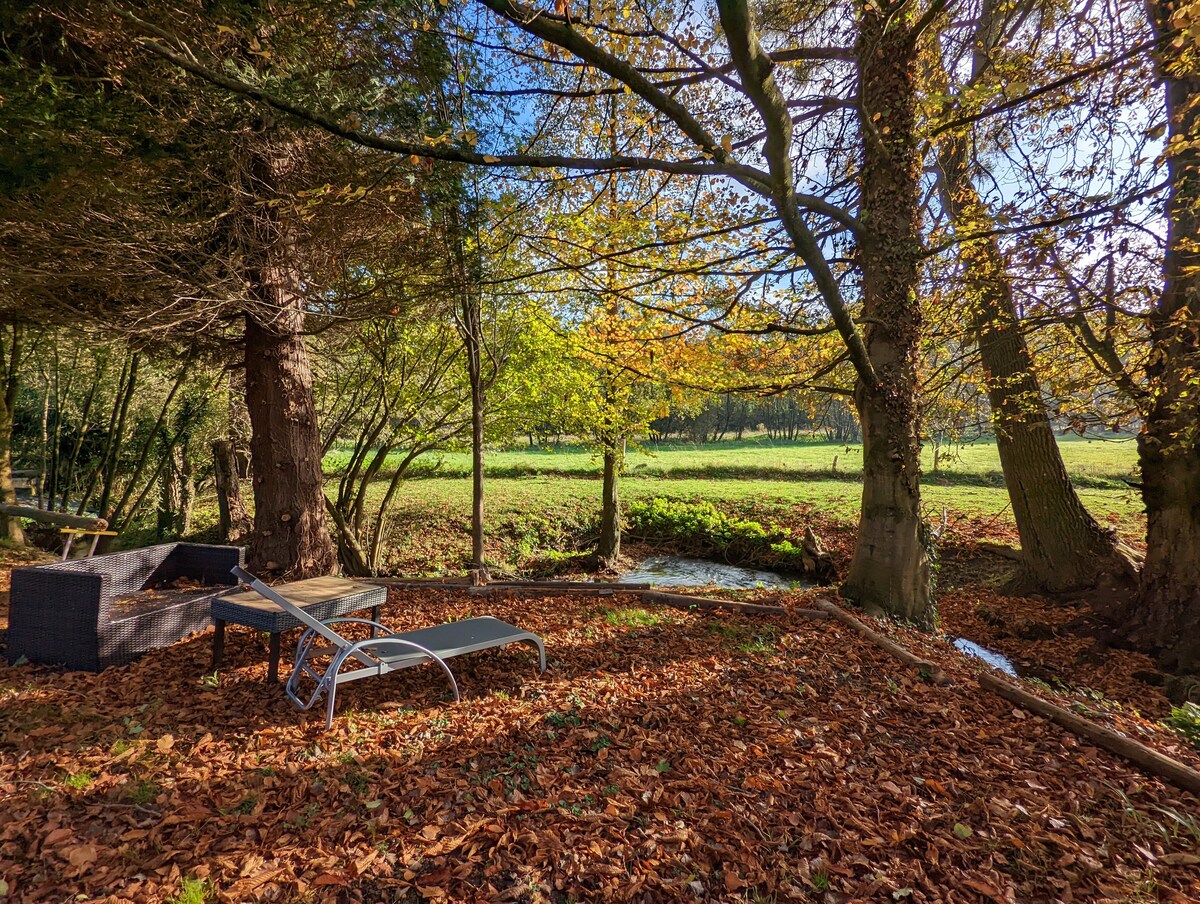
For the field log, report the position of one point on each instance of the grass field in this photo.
(1104, 463)
(548, 500)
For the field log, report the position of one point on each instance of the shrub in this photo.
(1186, 720)
(706, 530)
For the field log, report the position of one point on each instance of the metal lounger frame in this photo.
(363, 651)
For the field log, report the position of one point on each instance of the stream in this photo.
(679, 571)
(996, 660)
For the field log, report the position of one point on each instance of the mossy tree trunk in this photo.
(1063, 548)
(608, 548)
(10, 361)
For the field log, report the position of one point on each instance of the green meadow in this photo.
(544, 500)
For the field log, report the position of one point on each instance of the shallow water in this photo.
(678, 571)
(991, 657)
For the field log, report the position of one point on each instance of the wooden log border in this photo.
(930, 670)
(1136, 752)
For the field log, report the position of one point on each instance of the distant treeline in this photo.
(780, 417)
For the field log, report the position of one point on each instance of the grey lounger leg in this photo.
(535, 641)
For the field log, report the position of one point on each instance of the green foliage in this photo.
(761, 642)
(79, 780)
(1094, 464)
(634, 618)
(535, 531)
(563, 720)
(553, 509)
(702, 527)
(193, 891)
(142, 791)
(1186, 720)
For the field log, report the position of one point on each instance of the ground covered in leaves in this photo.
(664, 755)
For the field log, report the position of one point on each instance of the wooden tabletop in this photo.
(302, 593)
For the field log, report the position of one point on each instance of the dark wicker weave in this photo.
(275, 621)
(64, 614)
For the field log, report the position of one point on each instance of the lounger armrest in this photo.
(358, 648)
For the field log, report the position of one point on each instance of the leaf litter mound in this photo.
(665, 755)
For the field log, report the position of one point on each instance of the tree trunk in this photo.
(10, 358)
(1063, 548)
(10, 528)
(171, 500)
(1167, 616)
(103, 472)
(290, 537)
(116, 442)
(477, 523)
(608, 549)
(890, 566)
(350, 552)
(475, 373)
(187, 488)
(44, 468)
(68, 478)
(235, 520)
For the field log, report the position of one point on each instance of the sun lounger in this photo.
(387, 652)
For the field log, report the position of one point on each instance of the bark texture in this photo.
(890, 567)
(10, 528)
(1167, 615)
(608, 548)
(1063, 547)
(290, 537)
(235, 520)
(472, 327)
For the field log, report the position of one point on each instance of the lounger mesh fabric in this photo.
(389, 651)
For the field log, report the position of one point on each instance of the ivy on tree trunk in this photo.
(890, 566)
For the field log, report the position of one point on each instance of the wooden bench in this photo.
(323, 598)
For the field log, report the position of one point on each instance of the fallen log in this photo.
(642, 591)
(930, 670)
(572, 585)
(456, 580)
(1136, 752)
(683, 601)
(1001, 549)
(532, 589)
(83, 522)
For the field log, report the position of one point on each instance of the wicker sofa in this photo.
(88, 614)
